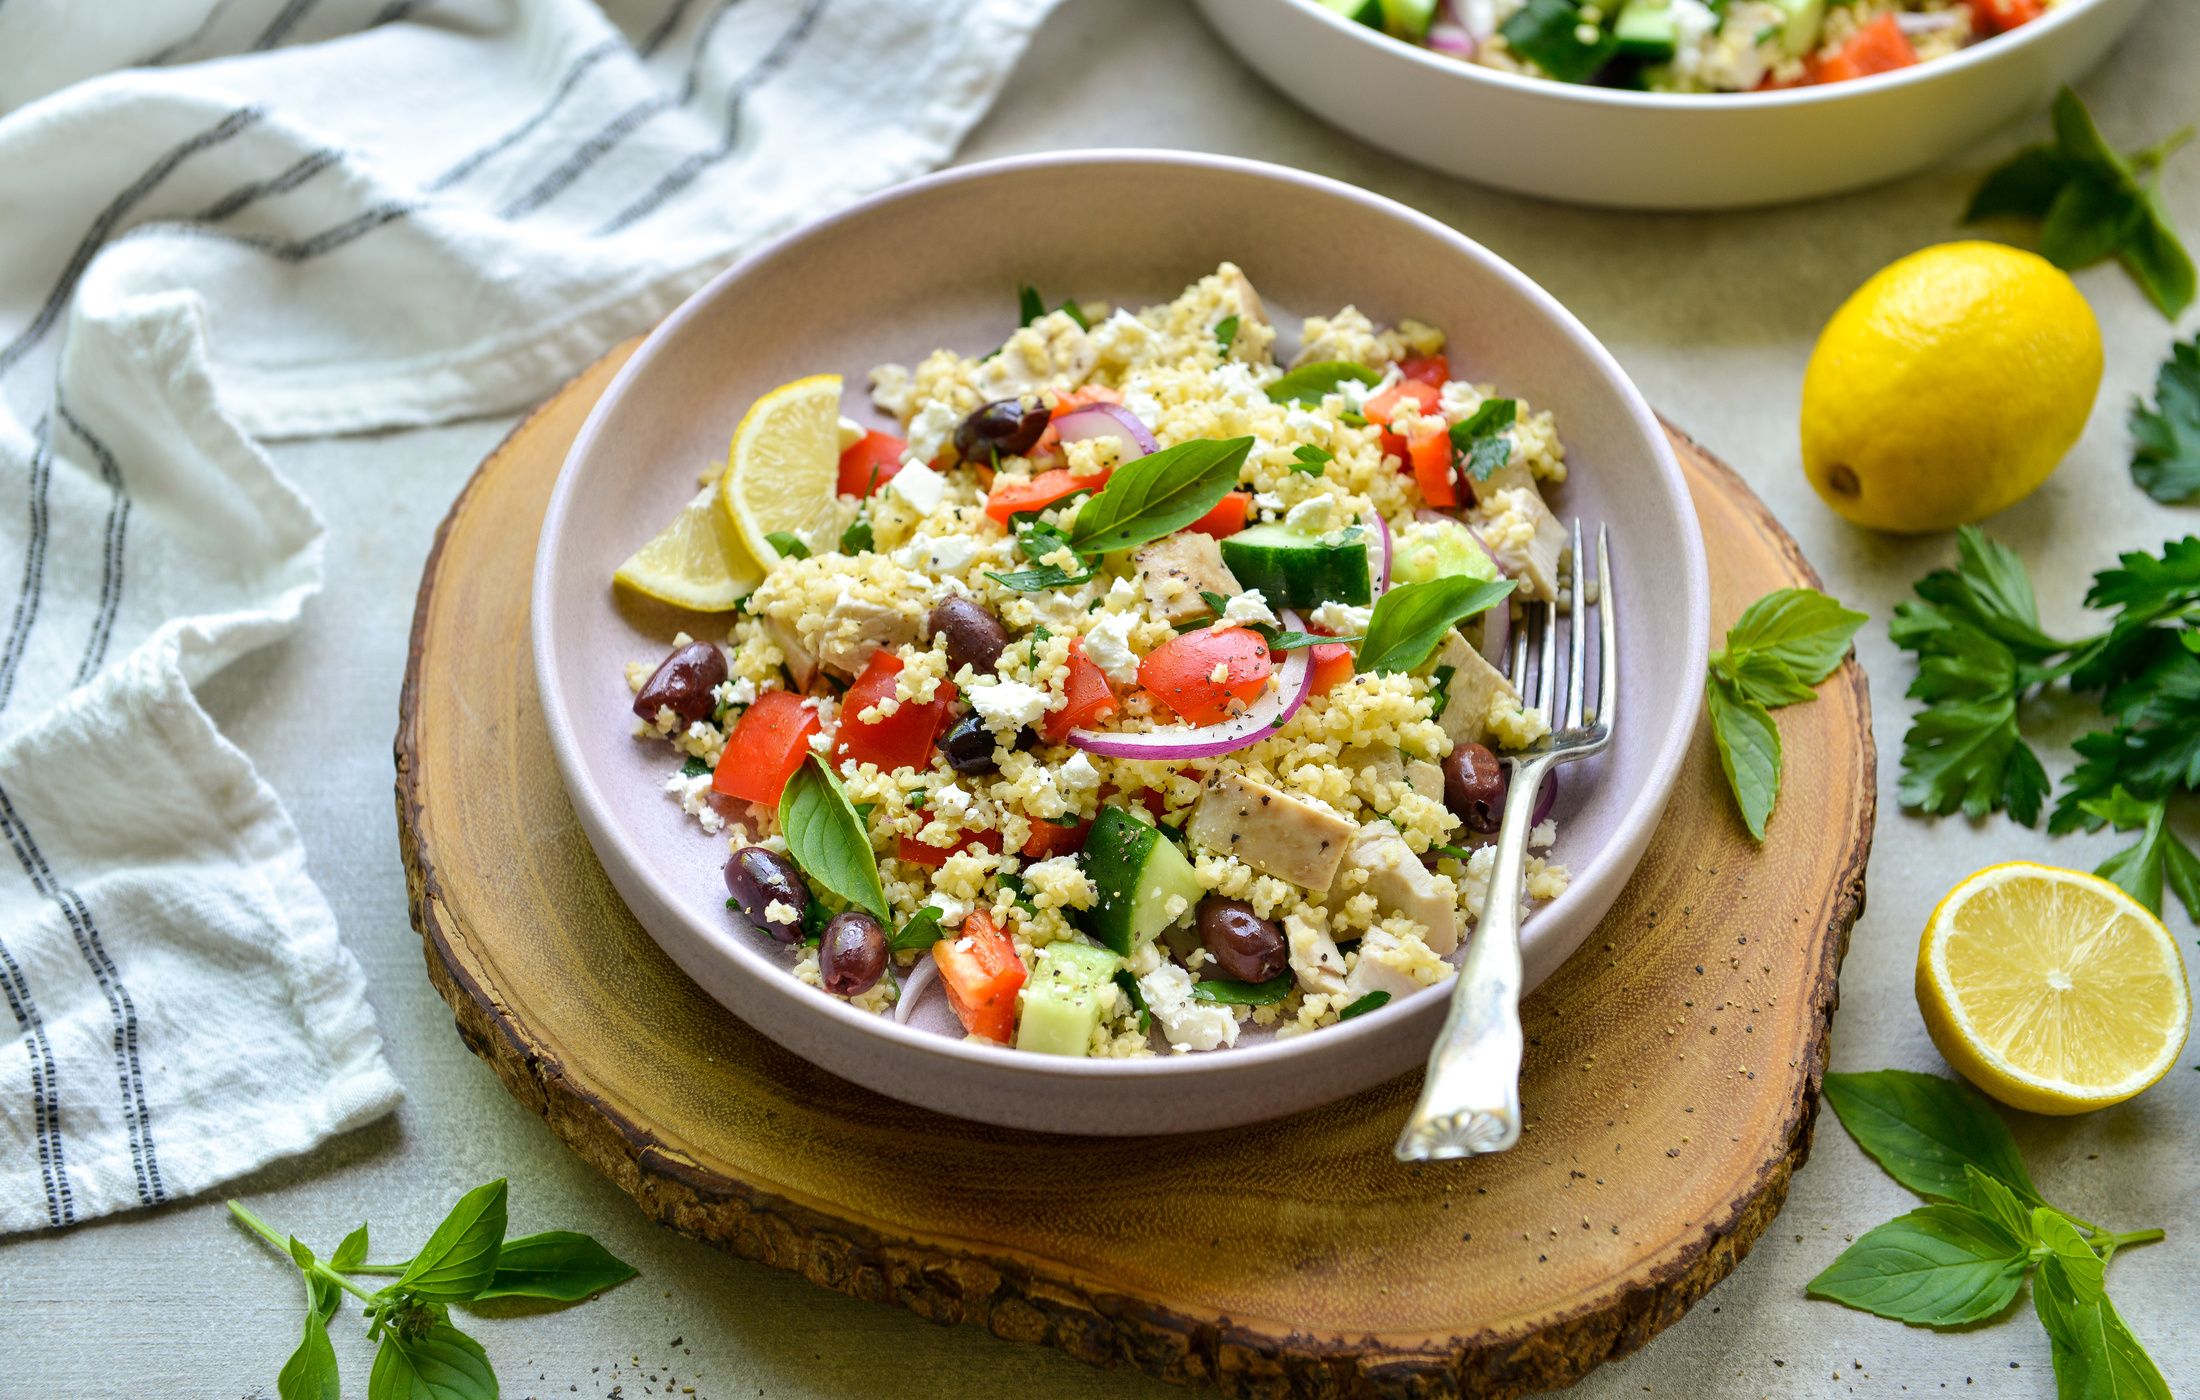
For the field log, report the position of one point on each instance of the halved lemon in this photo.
(2051, 989)
(698, 561)
(784, 466)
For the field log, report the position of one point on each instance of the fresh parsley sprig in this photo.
(2092, 204)
(1782, 645)
(1479, 442)
(2165, 455)
(468, 1259)
(1962, 1258)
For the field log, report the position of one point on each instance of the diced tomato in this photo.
(1395, 446)
(766, 746)
(1154, 800)
(1054, 839)
(1228, 516)
(982, 974)
(1090, 697)
(1431, 456)
(1181, 673)
(1332, 663)
(1015, 497)
(2001, 16)
(870, 463)
(1406, 393)
(1426, 369)
(909, 848)
(1879, 47)
(902, 739)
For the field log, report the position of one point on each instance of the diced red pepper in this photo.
(1015, 497)
(1054, 839)
(1406, 393)
(1228, 516)
(1396, 446)
(1431, 456)
(768, 743)
(1090, 697)
(1332, 663)
(870, 463)
(1181, 673)
(909, 848)
(902, 739)
(2001, 16)
(1879, 47)
(982, 974)
(1426, 369)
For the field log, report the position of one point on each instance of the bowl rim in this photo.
(1632, 831)
(2036, 31)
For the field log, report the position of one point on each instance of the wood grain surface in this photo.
(1670, 1089)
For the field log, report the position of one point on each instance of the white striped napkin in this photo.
(229, 219)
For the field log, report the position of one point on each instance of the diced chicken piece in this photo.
(1426, 778)
(1387, 964)
(1378, 771)
(1521, 530)
(1401, 885)
(1275, 833)
(1176, 570)
(1467, 694)
(1244, 300)
(1315, 961)
(855, 628)
(801, 665)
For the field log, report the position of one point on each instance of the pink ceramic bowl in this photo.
(935, 263)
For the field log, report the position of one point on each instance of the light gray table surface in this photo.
(1714, 316)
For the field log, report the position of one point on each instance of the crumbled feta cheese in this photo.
(1186, 1024)
(951, 555)
(1078, 775)
(1341, 619)
(1007, 706)
(851, 432)
(890, 389)
(738, 691)
(1221, 672)
(930, 431)
(693, 795)
(1108, 646)
(1313, 515)
(780, 911)
(1248, 607)
(950, 803)
(919, 485)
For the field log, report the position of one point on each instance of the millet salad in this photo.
(1139, 689)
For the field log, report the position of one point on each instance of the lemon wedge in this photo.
(784, 467)
(696, 562)
(2052, 990)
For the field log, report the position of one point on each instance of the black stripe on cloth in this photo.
(286, 19)
(393, 12)
(296, 174)
(171, 52)
(34, 561)
(53, 1166)
(656, 37)
(566, 84)
(129, 1071)
(103, 227)
(620, 127)
(110, 567)
(682, 175)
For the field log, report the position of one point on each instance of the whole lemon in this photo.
(1948, 387)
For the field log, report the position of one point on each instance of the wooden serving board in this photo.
(1671, 1081)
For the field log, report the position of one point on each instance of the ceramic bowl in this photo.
(937, 263)
(1591, 145)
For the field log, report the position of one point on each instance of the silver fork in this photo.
(1470, 1102)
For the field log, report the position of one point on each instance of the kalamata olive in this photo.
(683, 683)
(757, 879)
(1474, 788)
(968, 746)
(1242, 943)
(1002, 428)
(852, 954)
(975, 637)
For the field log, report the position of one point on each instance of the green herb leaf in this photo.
(460, 1258)
(790, 546)
(1997, 1202)
(1030, 306)
(921, 932)
(1940, 1266)
(2159, 858)
(858, 537)
(1159, 494)
(1226, 331)
(310, 1373)
(441, 1363)
(561, 1264)
(1799, 627)
(1137, 999)
(1479, 440)
(1749, 751)
(828, 840)
(1547, 32)
(1363, 1005)
(2165, 458)
(1410, 620)
(1311, 460)
(694, 767)
(2022, 187)
(1762, 679)
(1925, 1129)
(1287, 640)
(1229, 993)
(2094, 1350)
(1311, 383)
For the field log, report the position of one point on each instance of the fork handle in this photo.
(1470, 1101)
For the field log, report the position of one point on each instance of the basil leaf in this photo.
(1801, 627)
(1226, 331)
(1311, 383)
(2094, 1351)
(694, 767)
(1924, 1129)
(561, 1264)
(921, 932)
(1030, 306)
(1937, 1267)
(1159, 494)
(460, 1258)
(1997, 1202)
(310, 1373)
(1137, 999)
(1762, 679)
(1363, 1005)
(351, 1252)
(1228, 993)
(1312, 460)
(858, 538)
(790, 546)
(1039, 580)
(1749, 751)
(828, 840)
(442, 1363)
(1546, 32)
(2156, 259)
(1293, 641)
(2022, 187)
(2085, 223)
(1411, 619)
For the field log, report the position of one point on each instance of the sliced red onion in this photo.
(1451, 39)
(1107, 420)
(1545, 799)
(924, 974)
(1382, 550)
(1933, 23)
(1263, 717)
(1502, 570)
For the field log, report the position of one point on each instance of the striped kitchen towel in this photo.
(223, 220)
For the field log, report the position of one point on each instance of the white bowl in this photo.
(1645, 150)
(937, 263)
